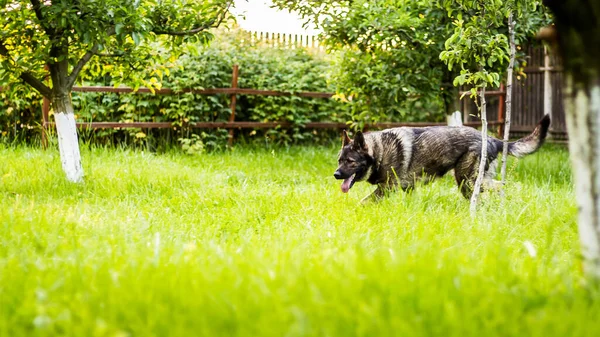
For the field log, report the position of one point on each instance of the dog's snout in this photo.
(337, 174)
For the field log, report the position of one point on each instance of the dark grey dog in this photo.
(401, 156)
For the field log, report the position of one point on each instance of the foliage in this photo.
(391, 51)
(479, 44)
(20, 114)
(390, 64)
(192, 145)
(479, 48)
(473, 44)
(261, 242)
(65, 35)
(574, 37)
(260, 67)
(58, 38)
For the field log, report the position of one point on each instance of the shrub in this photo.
(260, 67)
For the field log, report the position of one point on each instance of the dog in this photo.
(398, 157)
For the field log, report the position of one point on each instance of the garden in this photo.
(182, 230)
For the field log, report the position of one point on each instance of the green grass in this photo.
(263, 243)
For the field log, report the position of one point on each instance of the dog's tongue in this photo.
(346, 184)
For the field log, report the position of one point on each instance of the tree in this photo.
(65, 34)
(576, 37)
(479, 46)
(390, 49)
(389, 62)
(509, 84)
(476, 47)
(532, 15)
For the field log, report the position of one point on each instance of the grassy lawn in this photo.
(263, 243)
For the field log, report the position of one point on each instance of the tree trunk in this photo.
(68, 143)
(483, 161)
(509, 83)
(575, 35)
(583, 124)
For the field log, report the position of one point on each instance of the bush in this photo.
(260, 67)
(20, 114)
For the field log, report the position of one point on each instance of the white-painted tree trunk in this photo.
(68, 143)
(547, 83)
(482, 162)
(455, 119)
(583, 124)
(509, 84)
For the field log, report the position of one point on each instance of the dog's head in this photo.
(354, 161)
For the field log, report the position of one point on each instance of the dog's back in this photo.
(414, 152)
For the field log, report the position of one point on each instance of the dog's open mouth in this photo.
(348, 182)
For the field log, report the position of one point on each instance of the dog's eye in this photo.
(351, 161)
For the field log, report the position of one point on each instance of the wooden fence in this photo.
(231, 124)
(540, 93)
(283, 40)
(535, 93)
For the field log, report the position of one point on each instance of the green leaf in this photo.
(136, 38)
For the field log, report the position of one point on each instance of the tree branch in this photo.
(26, 76)
(85, 59)
(80, 64)
(212, 24)
(38, 85)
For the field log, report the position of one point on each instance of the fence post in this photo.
(234, 84)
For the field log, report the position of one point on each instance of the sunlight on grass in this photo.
(263, 243)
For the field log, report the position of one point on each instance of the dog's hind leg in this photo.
(465, 173)
(489, 183)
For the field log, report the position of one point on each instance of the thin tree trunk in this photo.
(482, 162)
(509, 83)
(583, 122)
(67, 137)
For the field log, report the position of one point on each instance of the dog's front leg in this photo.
(375, 196)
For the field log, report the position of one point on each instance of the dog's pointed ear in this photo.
(359, 140)
(345, 139)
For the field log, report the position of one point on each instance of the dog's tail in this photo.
(532, 142)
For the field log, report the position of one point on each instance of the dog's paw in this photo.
(492, 185)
